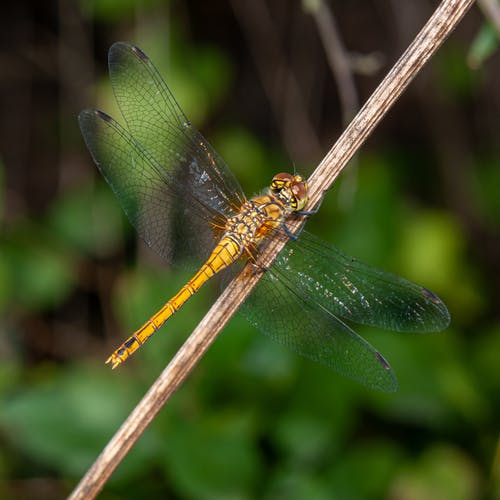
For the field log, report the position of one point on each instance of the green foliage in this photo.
(456, 79)
(214, 456)
(485, 44)
(251, 161)
(114, 10)
(486, 182)
(441, 472)
(2, 188)
(375, 215)
(40, 271)
(5, 280)
(374, 462)
(432, 252)
(88, 220)
(61, 421)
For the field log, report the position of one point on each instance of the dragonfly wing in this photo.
(290, 318)
(355, 291)
(156, 121)
(163, 214)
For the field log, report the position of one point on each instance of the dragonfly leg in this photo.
(292, 236)
(259, 268)
(252, 260)
(303, 213)
(308, 213)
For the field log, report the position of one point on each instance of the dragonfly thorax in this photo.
(256, 218)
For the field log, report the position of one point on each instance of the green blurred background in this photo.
(253, 420)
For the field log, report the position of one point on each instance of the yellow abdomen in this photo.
(224, 254)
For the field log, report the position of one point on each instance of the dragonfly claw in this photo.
(114, 360)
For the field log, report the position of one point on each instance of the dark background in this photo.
(253, 420)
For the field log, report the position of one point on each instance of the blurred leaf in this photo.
(432, 253)
(213, 457)
(114, 10)
(485, 360)
(246, 156)
(436, 386)
(197, 76)
(459, 389)
(10, 375)
(88, 219)
(494, 485)
(368, 230)
(293, 484)
(209, 67)
(105, 100)
(484, 45)
(2, 189)
(229, 371)
(457, 81)
(266, 359)
(191, 96)
(431, 248)
(318, 397)
(41, 272)
(5, 279)
(443, 472)
(485, 183)
(365, 471)
(304, 438)
(65, 421)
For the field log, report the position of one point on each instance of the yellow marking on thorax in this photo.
(274, 215)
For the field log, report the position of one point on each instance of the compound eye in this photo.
(299, 191)
(280, 181)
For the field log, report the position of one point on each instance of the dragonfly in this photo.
(187, 205)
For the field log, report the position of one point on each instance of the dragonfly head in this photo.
(291, 189)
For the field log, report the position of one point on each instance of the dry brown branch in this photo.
(439, 26)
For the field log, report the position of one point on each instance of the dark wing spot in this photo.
(140, 53)
(382, 361)
(428, 294)
(102, 115)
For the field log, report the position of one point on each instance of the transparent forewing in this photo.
(155, 120)
(293, 319)
(358, 292)
(161, 211)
